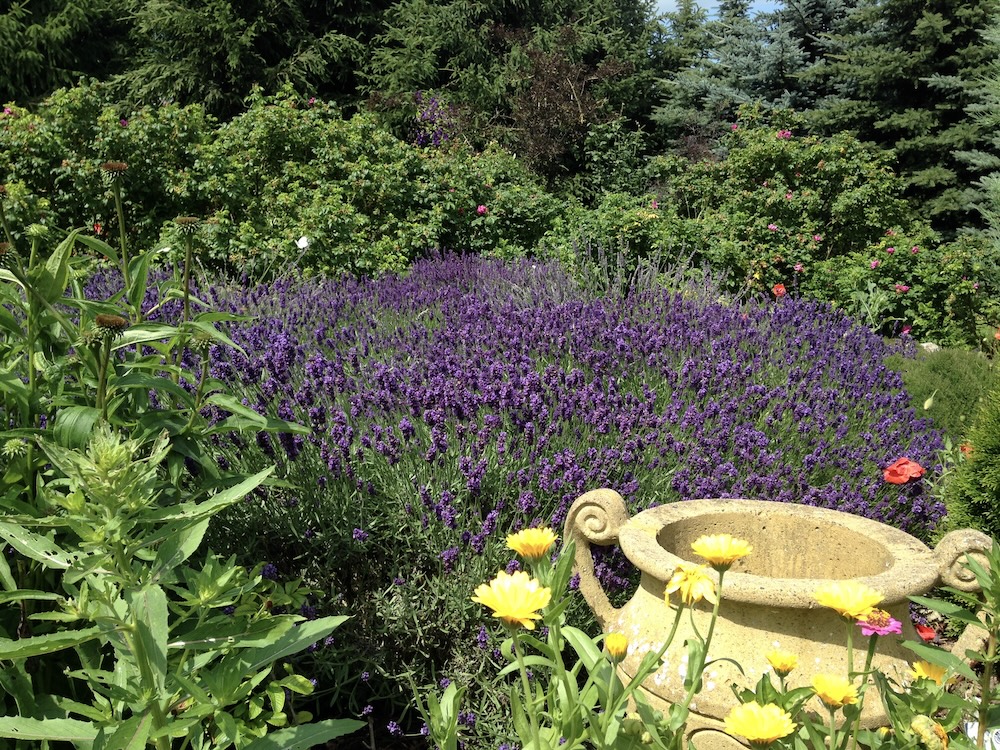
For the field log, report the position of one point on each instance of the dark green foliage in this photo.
(956, 380)
(533, 76)
(214, 52)
(973, 494)
(903, 74)
(45, 44)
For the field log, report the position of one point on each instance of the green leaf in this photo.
(178, 547)
(294, 641)
(149, 607)
(129, 735)
(74, 425)
(39, 548)
(948, 609)
(52, 730)
(942, 658)
(139, 271)
(245, 418)
(19, 594)
(143, 333)
(306, 736)
(234, 633)
(98, 246)
(50, 281)
(45, 644)
(216, 503)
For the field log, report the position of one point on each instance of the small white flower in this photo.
(302, 242)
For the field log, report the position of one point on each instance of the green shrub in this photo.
(364, 200)
(54, 155)
(825, 218)
(956, 380)
(973, 494)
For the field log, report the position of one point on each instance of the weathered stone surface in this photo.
(767, 597)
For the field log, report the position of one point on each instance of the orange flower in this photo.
(902, 470)
(966, 448)
(779, 291)
(997, 335)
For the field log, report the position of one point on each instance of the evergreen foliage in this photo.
(45, 44)
(215, 51)
(973, 494)
(902, 75)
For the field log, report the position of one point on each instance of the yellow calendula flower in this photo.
(694, 584)
(761, 725)
(850, 598)
(616, 645)
(834, 691)
(721, 550)
(931, 734)
(532, 544)
(516, 599)
(782, 662)
(923, 670)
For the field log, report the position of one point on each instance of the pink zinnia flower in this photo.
(788, 196)
(880, 622)
(876, 263)
(481, 210)
(906, 330)
(902, 288)
(773, 227)
(890, 250)
(784, 134)
(798, 267)
(817, 238)
(734, 126)
(914, 249)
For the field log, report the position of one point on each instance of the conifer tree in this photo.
(46, 44)
(901, 76)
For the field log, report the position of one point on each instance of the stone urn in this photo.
(767, 597)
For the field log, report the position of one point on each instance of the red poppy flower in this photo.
(925, 632)
(778, 290)
(902, 470)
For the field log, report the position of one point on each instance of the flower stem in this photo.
(985, 686)
(122, 246)
(529, 700)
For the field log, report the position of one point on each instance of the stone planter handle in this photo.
(595, 518)
(951, 554)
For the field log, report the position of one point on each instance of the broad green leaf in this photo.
(139, 272)
(74, 424)
(52, 278)
(234, 633)
(178, 547)
(14, 681)
(143, 333)
(207, 509)
(39, 548)
(45, 644)
(99, 246)
(51, 730)
(149, 605)
(246, 418)
(306, 736)
(942, 658)
(294, 641)
(135, 379)
(129, 735)
(215, 334)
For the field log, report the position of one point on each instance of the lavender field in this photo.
(474, 397)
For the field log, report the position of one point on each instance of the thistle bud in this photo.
(112, 171)
(110, 327)
(187, 224)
